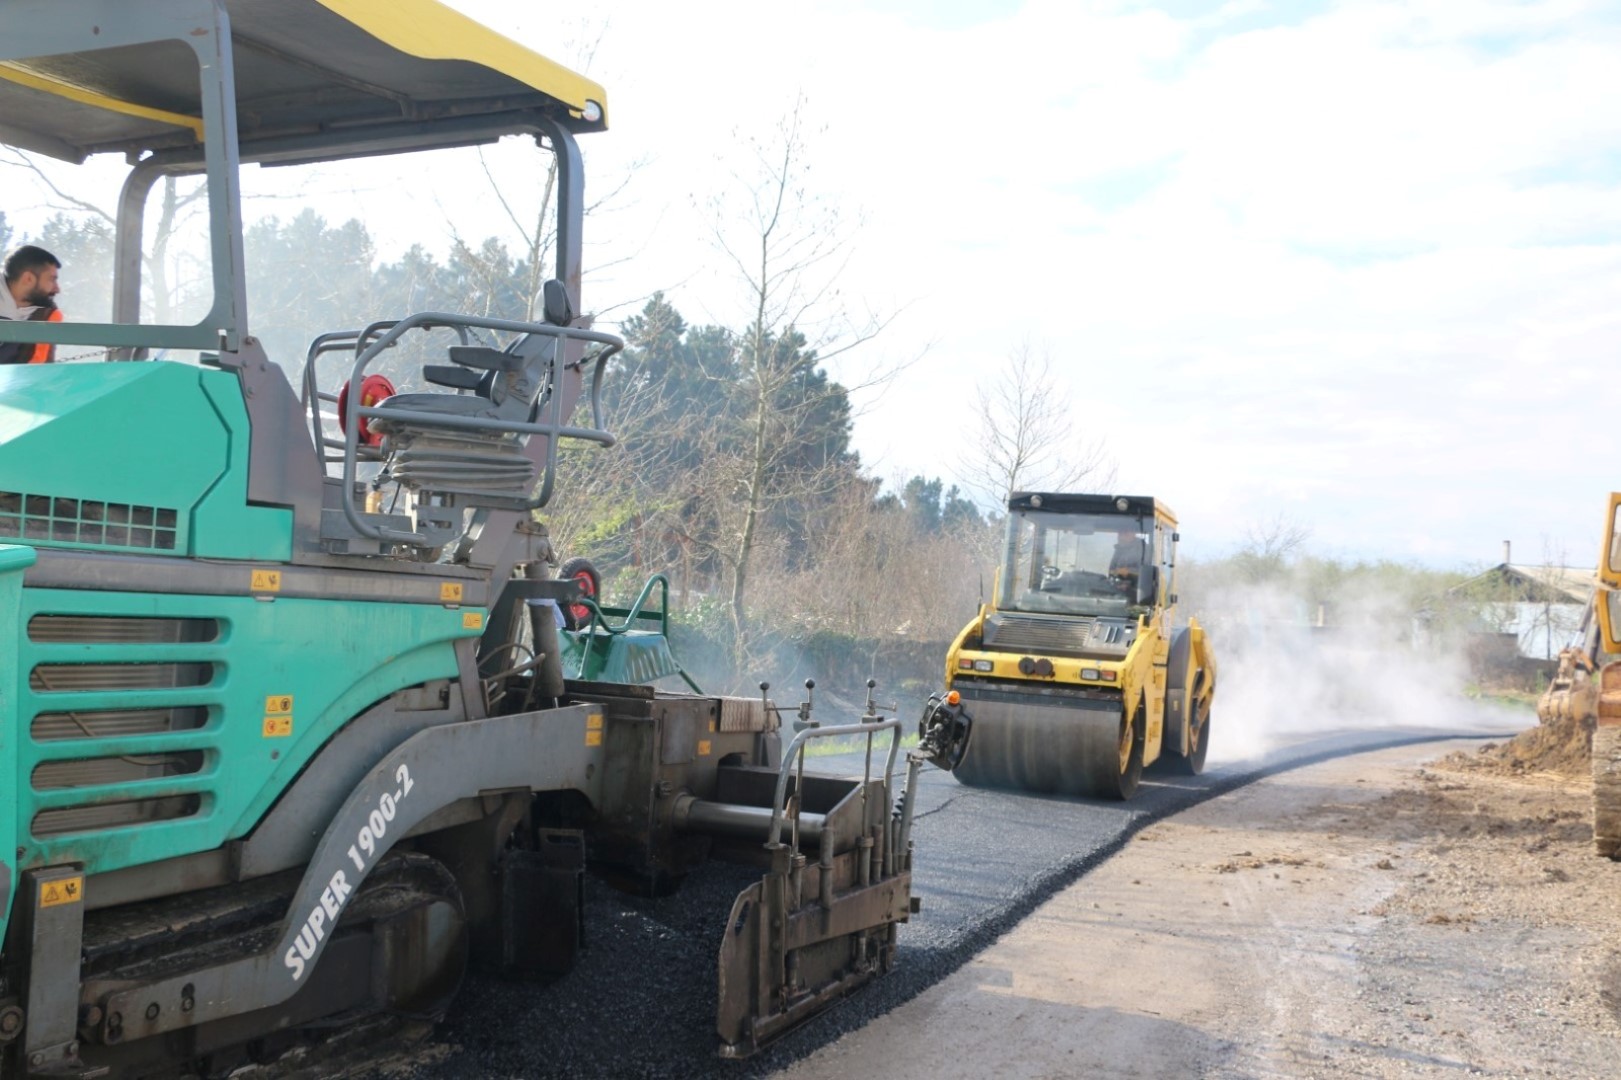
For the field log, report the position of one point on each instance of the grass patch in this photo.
(1515, 699)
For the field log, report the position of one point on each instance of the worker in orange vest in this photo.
(29, 294)
(44, 354)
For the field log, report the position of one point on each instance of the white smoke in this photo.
(1289, 670)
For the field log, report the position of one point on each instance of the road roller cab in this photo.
(1078, 674)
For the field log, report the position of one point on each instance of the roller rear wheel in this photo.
(1192, 763)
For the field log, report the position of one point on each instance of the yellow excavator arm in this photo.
(1607, 599)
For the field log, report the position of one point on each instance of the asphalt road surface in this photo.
(641, 1001)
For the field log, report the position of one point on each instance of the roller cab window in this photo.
(1076, 564)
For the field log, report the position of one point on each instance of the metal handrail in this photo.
(635, 609)
(796, 748)
(599, 617)
(311, 394)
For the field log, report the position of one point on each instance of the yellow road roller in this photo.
(1078, 674)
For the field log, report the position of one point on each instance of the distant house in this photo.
(1539, 608)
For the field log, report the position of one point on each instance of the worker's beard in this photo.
(37, 297)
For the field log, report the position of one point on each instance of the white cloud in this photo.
(1357, 262)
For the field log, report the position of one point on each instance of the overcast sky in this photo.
(1358, 264)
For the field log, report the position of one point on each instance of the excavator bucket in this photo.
(1571, 695)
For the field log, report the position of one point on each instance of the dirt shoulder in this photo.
(1396, 914)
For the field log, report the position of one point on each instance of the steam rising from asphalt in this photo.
(1369, 667)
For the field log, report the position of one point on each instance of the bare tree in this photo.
(537, 225)
(787, 247)
(1028, 437)
(539, 235)
(179, 200)
(1269, 546)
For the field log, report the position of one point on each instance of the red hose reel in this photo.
(374, 389)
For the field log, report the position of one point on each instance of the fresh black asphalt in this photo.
(641, 1001)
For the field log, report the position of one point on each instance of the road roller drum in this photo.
(1082, 748)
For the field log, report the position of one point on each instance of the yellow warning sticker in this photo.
(473, 620)
(593, 721)
(278, 727)
(703, 747)
(450, 592)
(278, 703)
(66, 891)
(593, 738)
(266, 581)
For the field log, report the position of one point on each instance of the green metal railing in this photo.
(628, 617)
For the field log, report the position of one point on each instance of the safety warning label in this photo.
(62, 891)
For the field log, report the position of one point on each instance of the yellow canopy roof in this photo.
(315, 79)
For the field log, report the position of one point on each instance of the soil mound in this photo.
(1562, 747)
